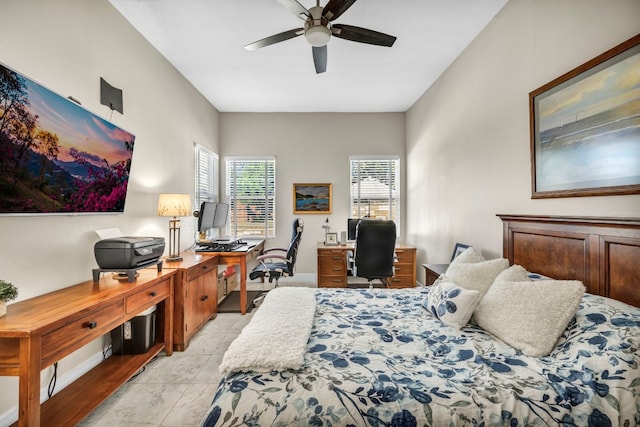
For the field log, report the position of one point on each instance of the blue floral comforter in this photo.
(377, 358)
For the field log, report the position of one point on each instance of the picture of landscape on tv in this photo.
(55, 156)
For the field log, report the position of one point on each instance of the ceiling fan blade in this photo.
(276, 38)
(335, 8)
(362, 35)
(296, 8)
(320, 58)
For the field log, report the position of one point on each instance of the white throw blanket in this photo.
(277, 336)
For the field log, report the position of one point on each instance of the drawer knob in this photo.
(204, 267)
(204, 297)
(91, 325)
(153, 294)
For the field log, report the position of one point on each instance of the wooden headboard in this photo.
(604, 253)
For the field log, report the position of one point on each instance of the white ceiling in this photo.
(204, 40)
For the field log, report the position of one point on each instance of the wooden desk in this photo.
(246, 259)
(37, 332)
(332, 266)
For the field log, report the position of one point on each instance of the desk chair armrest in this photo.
(274, 249)
(263, 257)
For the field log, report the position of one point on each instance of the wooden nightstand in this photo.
(433, 272)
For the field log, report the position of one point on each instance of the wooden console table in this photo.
(37, 332)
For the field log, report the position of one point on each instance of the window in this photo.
(251, 190)
(207, 188)
(375, 188)
(207, 166)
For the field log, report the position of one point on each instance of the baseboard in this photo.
(11, 416)
(307, 278)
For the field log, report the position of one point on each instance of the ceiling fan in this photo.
(318, 29)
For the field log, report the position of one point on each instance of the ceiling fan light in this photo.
(318, 35)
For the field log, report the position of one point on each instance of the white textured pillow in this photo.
(451, 304)
(477, 276)
(528, 315)
(470, 254)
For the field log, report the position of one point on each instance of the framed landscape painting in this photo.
(585, 128)
(312, 198)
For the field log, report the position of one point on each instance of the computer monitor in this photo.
(222, 212)
(352, 225)
(206, 216)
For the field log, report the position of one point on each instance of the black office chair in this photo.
(275, 263)
(375, 250)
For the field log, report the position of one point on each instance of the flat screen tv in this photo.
(55, 156)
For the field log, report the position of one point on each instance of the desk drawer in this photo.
(254, 253)
(332, 268)
(203, 267)
(149, 296)
(405, 256)
(332, 281)
(401, 282)
(402, 269)
(62, 341)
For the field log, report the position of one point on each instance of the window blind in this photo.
(207, 176)
(375, 188)
(251, 190)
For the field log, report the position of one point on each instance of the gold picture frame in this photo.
(312, 198)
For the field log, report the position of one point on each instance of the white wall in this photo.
(311, 148)
(468, 135)
(67, 45)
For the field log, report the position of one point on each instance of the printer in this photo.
(128, 253)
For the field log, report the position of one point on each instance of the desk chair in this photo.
(375, 250)
(275, 263)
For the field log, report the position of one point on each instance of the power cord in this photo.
(105, 347)
(153, 359)
(52, 382)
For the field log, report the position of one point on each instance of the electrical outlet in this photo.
(127, 331)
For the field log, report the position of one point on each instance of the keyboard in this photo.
(220, 247)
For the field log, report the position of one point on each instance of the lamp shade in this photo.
(174, 205)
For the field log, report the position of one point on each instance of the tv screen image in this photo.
(55, 156)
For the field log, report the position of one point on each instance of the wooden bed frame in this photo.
(604, 253)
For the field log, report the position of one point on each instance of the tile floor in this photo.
(176, 390)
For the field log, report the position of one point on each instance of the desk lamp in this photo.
(174, 205)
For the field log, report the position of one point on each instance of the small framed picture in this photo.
(460, 247)
(312, 198)
(331, 239)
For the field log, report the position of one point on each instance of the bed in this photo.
(378, 357)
